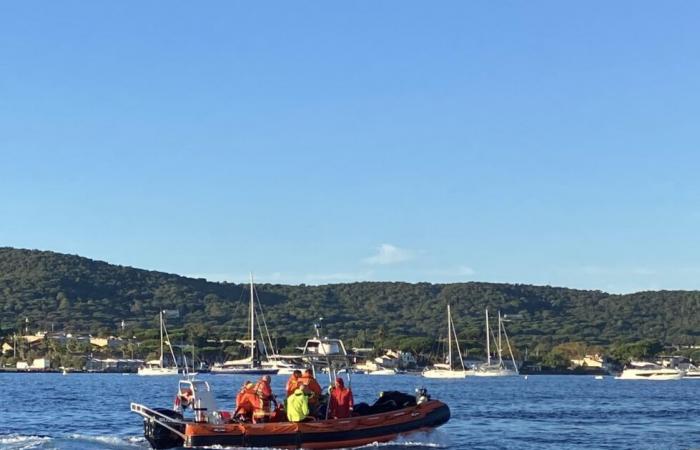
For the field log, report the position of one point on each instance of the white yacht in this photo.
(496, 368)
(285, 365)
(445, 370)
(383, 371)
(252, 364)
(692, 372)
(642, 370)
(156, 367)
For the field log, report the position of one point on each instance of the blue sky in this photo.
(320, 142)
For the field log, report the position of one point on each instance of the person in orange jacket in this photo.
(264, 392)
(340, 403)
(247, 402)
(293, 382)
(312, 386)
(312, 389)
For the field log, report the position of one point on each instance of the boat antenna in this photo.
(317, 326)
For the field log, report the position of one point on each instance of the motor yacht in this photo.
(642, 370)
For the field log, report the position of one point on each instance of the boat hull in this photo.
(324, 434)
(441, 373)
(244, 371)
(660, 375)
(495, 373)
(157, 371)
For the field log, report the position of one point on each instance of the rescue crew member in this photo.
(183, 399)
(312, 385)
(340, 403)
(266, 397)
(298, 406)
(293, 382)
(247, 402)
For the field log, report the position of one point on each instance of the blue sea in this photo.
(91, 411)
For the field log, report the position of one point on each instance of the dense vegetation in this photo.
(76, 294)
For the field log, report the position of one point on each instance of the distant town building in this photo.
(112, 365)
(395, 359)
(37, 364)
(110, 342)
(588, 361)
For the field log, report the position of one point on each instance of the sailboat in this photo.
(498, 368)
(157, 366)
(252, 364)
(445, 370)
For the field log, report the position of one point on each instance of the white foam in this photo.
(110, 440)
(431, 439)
(19, 442)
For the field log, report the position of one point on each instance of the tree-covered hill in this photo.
(78, 294)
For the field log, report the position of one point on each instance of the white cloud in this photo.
(389, 254)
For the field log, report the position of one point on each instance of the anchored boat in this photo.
(251, 365)
(393, 414)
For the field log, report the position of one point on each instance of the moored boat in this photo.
(445, 370)
(252, 365)
(157, 367)
(384, 371)
(641, 370)
(496, 368)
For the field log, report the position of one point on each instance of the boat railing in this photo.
(160, 418)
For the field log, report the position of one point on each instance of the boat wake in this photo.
(416, 441)
(70, 442)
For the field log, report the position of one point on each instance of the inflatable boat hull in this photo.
(324, 434)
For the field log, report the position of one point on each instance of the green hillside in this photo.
(78, 294)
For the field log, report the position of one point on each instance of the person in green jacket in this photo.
(298, 406)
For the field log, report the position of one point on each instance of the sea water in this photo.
(91, 411)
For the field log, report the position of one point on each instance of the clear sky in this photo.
(541, 142)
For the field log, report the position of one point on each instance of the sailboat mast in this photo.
(500, 347)
(449, 336)
(488, 340)
(252, 323)
(161, 339)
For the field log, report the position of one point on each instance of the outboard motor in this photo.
(422, 395)
(159, 436)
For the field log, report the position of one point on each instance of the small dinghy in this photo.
(393, 414)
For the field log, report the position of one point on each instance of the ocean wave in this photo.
(111, 441)
(70, 442)
(20, 442)
(419, 440)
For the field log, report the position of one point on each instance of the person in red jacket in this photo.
(340, 403)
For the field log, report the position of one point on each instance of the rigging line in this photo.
(510, 350)
(492, 335)
(459, 352)
(167, 339)
(262, 341)
(260, 328)
(267, 330)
